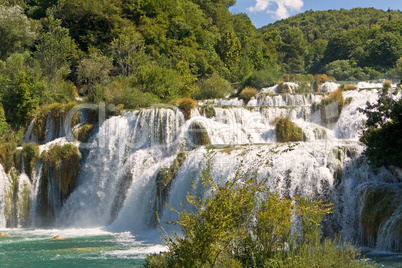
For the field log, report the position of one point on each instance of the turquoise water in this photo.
(384, 259)
(80, 248)
(100, 248)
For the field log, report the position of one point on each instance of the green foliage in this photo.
(186, 105)
(262, 78)
(331, 107)
(15, 30)
(21, 98)
(247, 93)
(127, 50)
(236, 225)
(121, 91)
(55, 48)
(213, 87)
(287, 131)
(93, 70)
(293, 49)
(325, 24)
(398, 67)
(384, 123)
(3, 124)
(164, 83)
(344, 70)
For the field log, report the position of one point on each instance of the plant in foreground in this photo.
(237, 223)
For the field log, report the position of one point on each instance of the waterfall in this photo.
(3, 183)
(136, 162)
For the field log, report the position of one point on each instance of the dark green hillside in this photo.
(325, 24)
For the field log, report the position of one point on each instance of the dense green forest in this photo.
(137, 53)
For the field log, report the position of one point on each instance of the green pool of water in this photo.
(100, 248)
(80, 248)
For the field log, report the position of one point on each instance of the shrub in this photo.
(186, 105)
(347, 87)
(247, 93)
(164, 83)
(286, 131)
(233, 226)
(331, 107)
(262, 78)
(121, 91)
(212, 88)
(3, 123)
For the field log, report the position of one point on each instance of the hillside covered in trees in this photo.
(137, 53)
(361, 43)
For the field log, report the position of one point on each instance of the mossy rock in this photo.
(7, 151)
(65, 163)
(287, 131)
(320, 133)
(56, 111)
(338, 175)
(208, 111)
(379, 205)
(83, 133)
(30, 154)
(199, 133)
(331, 107)
(18, 159)
(186, 105)
(283, 88)
(165, 177)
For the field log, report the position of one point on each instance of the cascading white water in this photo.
(3, 183)
(117, 185)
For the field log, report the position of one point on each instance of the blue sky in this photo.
(263, 12)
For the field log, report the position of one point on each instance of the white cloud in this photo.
(284, 7)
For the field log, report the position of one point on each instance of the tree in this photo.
(229, 49)
(55, 48)
(398, 67)
(384, 50)
(94, 69)
(15, 30)
(126, 49)
(293, 49)
(384, 125)
(21, 98)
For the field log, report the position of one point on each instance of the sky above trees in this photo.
(263, 12)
